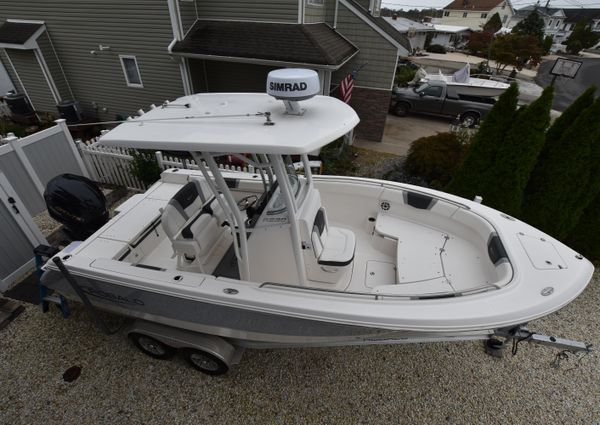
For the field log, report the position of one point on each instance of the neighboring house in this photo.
(116, 57)
(475, 13)
(559, 23)
(450, 36)
(414, 31)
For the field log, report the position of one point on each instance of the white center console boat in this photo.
(273, 258)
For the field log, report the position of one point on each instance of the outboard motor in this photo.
(77, 203)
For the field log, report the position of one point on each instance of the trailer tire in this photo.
(205, 362)
(401, 109)
(151, 346)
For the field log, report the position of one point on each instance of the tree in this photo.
(479, 42)
(567, 181)
(517, 155)
(582, 37)
(471, 178)
(585, 237)
(556, 130)
(532, 25)
(547, 44)
(493, 24)
(515, 50)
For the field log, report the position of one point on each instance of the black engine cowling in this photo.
(77, 203)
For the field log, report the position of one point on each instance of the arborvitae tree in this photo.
(585, 237)
(533, 24)
(555, 132)
(566, 183)
(517, 155)
(469, 179)
(493, 24)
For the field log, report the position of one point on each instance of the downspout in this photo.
(178, 36)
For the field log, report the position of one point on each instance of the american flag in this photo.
(346, 86)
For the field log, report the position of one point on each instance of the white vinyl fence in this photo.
(113, 165)
(30, 162)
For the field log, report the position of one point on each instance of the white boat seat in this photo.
(193, 224)
(333, 246)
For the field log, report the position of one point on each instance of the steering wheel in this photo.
(246, 202)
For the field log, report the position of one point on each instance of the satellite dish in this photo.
(292, 85)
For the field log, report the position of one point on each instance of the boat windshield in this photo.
(278, 205)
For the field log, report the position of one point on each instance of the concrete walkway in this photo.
(400, 132)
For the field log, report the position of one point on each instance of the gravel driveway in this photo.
(450, 383)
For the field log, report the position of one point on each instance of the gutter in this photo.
(257, 61)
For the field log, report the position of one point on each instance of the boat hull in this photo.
(247, 328)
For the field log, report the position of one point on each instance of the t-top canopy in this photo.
(236, 122)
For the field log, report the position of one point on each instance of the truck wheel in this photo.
(401, 109)
(151, 346)
(205, 362)
(470, 119)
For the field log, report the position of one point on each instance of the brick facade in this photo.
(372, 108)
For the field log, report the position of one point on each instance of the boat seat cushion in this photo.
(333, 246)
(338, 249)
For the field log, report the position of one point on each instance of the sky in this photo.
(517, 4)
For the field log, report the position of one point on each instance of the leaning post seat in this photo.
(333, 247)
(193, 224)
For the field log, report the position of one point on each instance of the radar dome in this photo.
(293, 84)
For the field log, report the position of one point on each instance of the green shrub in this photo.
(436, 48)
(435, 158)
(144, 166)
(404, 75)
(7, 126)
(337, 159)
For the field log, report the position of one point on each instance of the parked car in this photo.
(436, 98)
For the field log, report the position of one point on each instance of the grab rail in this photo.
(448, 294)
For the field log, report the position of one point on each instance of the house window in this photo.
(465, 15)
(550, 23)
(503, 6)
(504, 19)
(483, 15)
(557, 24)
(315, 2)
(446, 13)
(131, 71)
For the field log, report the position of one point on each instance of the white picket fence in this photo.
(112, 165)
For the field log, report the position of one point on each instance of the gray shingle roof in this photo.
(316, 44)
(17, 32)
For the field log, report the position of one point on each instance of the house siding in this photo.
(249, 10)
(229, 76)
(54, 66)
(134, 27)
(30, 73)
(314, 13)
(330, 12)
(11, 71)
(376, 52)
(187, 11)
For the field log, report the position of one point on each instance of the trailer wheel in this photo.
(152, 347)
(205, 362)
(469, 119)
